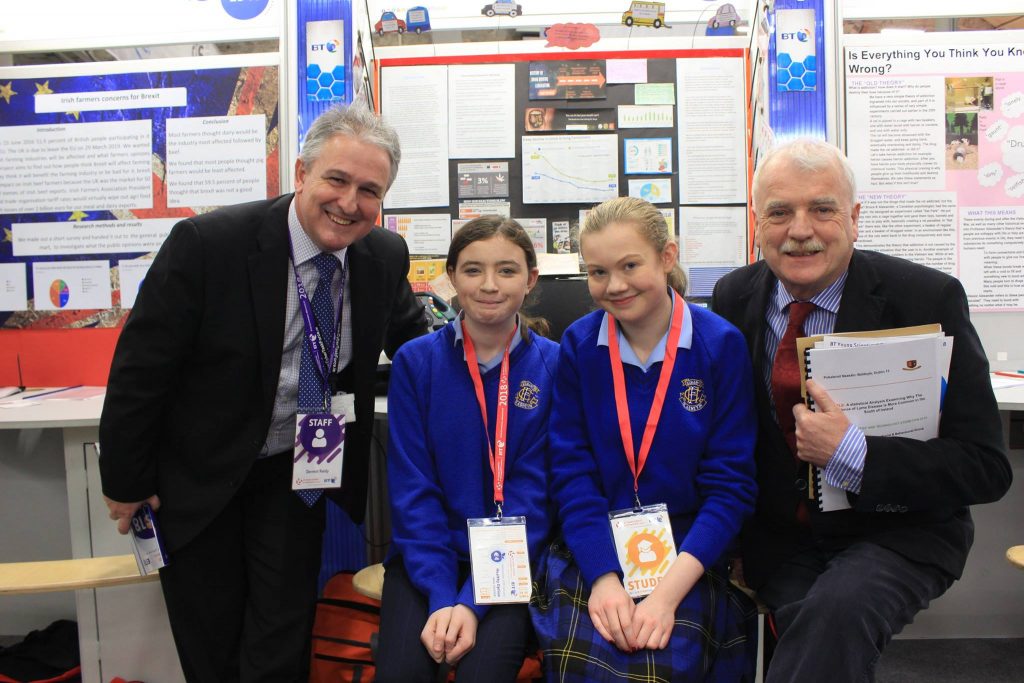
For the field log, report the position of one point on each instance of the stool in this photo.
(1016, 556)
(369, 581)
(19, 578)
(764, 646)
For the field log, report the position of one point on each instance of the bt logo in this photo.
(803, 35)
(330, 46)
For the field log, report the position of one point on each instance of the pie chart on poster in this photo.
(650, 192)
(59, 293)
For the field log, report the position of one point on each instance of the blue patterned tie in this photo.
(311, 388)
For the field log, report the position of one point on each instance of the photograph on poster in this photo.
(937, 143)
(560, 237)
(539, 119)
(99, 161)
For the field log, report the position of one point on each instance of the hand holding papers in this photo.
(887, 382)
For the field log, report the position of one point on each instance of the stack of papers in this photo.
(887, 382)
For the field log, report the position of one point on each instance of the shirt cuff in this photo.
(845, 469)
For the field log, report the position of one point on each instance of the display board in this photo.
(935, 131)
(97, 162)
(542, 138)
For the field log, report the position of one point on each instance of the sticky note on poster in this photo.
(654, 93)
(626, 70)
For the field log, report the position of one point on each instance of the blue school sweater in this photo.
(439, 474)
(701, 463)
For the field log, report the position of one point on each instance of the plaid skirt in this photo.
(714, 637)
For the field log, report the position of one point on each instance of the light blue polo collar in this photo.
(629, 356)
(491, 363)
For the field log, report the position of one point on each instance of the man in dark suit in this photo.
(200, 412)
(842, 583)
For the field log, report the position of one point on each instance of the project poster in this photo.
(936, 138)
(99, 160)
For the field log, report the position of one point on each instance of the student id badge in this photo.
(319, 450)
(645, 546)
(500, 560)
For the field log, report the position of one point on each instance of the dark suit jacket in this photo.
(915, 494)
(191, 387)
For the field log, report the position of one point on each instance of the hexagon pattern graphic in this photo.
(323, 85)
(792, 75)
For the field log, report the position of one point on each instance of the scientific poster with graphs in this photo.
(935, 133)
(543, 138)
(98, 161)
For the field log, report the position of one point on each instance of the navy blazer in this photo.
(915, 494)
(192, 384)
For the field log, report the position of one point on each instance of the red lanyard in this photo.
(636, 466)
(496, 454)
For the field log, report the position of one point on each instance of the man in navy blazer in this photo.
(199, 416)
(842, 583)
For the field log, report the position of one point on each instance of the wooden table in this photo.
(1016, 556)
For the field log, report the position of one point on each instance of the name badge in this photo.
(645, 546)
(319, 451)
(344, 404)
(147, 544)
(500, 560)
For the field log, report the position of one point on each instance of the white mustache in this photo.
(805, 248)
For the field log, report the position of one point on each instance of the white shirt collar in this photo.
(303, 248)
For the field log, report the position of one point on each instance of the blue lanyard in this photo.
(317, 348)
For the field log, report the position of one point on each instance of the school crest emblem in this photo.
(693, 397)
(526, 396)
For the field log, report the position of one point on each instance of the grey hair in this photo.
(648, 221)
(812, 156)
(356, 121)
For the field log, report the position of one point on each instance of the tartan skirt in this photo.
(714, 637)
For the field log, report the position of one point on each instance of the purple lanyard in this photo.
(317, 348)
